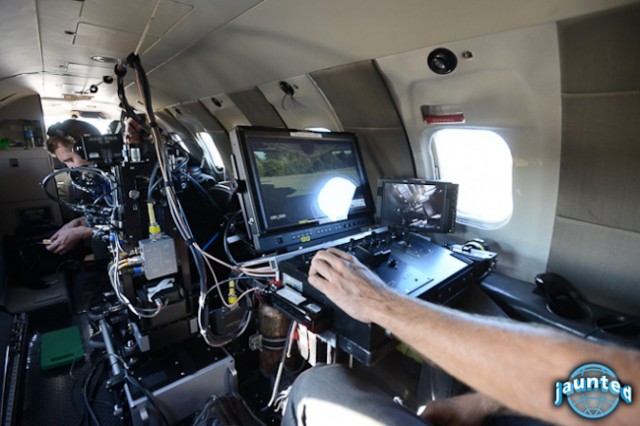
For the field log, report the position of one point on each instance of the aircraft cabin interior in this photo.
(481, 156)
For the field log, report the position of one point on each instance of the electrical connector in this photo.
(232, 297)
(154, 227)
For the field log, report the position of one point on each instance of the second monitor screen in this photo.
(409, 205)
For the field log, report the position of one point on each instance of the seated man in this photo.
(62, 138)
(513, 366)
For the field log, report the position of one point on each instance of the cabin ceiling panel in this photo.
(285, 38)
(19, 44)
(208, 121)
(231, 45)
(68, 87)
(14, 89)
(596, 53)
(362, 103)
(72, 31)
(384, 153)
(126, 14)
(359, 96)
(237, 59)
(306, 107)
(113, 42)
(206, 17)
(225, 111)
(257, 108)
(94, 70)
(171, 124)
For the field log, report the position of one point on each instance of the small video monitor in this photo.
(102, 150)
(419, 205)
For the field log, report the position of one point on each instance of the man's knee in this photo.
(327, 393)
(319, 380)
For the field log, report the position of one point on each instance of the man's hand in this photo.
(349, 284)
(72, 224)
(67, 238)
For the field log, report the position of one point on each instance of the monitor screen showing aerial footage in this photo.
(299, 187)
(418, 205)
(303, 181)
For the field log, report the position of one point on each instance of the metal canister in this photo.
(273, 326)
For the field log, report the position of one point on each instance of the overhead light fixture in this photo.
(442, 61)
(104, 59)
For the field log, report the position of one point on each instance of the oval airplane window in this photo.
(178, 139)
(211, 153)
(480, 162)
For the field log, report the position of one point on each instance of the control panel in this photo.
(409, 263)
(311, 235)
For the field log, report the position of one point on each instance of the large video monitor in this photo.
(419, 205)
(302, 187)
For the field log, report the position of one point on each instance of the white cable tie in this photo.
(162, 285)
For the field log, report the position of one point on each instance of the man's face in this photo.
(69, 158)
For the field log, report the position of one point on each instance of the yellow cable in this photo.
(232, 297)
(154, 228)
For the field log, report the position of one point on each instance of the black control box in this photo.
(313, 315)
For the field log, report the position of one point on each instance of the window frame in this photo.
(472, 218)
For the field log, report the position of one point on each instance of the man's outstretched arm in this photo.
(516, 364)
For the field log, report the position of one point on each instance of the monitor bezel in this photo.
(268, 238)
(449, 207)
